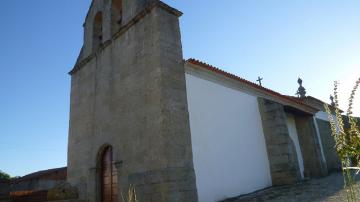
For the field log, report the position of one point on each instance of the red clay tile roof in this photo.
(51, 174)
(320, 101)
(29, 196)
(232, 76)
(316, 99)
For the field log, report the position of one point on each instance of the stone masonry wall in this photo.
(4, 191)
(284, 165)
(314, 164)
(131, 95)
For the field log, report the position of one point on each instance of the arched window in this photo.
(108, 175)
(116, 15)
(97, 31)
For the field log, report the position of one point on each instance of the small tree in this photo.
(347, 141)
(4, 176)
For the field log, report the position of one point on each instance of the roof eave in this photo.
(286, 101)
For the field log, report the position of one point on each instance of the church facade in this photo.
(175, 129)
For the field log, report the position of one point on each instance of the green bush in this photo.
(4, 176)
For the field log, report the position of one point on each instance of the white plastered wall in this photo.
(322, 116)
(228, 143)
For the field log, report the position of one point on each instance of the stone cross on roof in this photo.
(301, 90)
(332, 101)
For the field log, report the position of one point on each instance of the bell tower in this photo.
(128, 110)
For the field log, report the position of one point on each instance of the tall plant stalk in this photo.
(347, 141)
(131, 195)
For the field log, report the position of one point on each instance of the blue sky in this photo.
(278, 40)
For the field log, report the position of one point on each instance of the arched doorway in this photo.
(109, 183)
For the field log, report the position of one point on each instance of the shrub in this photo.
(347, 141)
(4, 176)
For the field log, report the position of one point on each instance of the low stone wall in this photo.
(4, 191)
(42, 180)
(63, 192)
(33, 187)
(35, 184)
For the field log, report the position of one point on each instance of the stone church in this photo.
(175, 129)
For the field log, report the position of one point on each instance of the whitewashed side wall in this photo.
(229, 150)
(295, 138)
(322, 116)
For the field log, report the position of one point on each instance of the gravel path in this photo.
(329, 189)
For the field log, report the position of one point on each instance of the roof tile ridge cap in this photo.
(228, 73)
(198, 62)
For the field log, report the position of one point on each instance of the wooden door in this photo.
(109, 182)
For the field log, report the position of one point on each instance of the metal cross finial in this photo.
(259, 80)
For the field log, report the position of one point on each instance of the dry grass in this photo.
(131, 195)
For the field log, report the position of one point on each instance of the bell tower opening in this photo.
(97, 31)
(116, 15)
